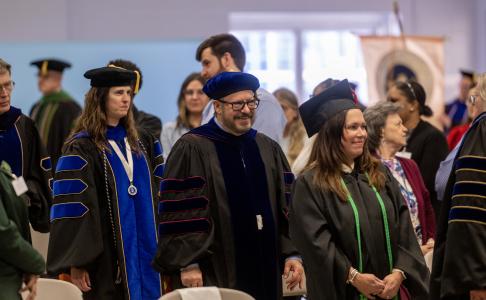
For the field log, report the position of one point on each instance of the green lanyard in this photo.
(358, 228)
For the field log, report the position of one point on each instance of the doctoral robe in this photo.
(55, 115)
(223, 205)
(114, 240)
(460, 246)
(22, 149)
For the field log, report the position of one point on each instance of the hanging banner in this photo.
(391, 58)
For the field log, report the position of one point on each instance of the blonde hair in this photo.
(481, 89)
(294, 129)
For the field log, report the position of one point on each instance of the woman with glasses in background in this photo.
(426, 145)
(191, 103)
(457, 132)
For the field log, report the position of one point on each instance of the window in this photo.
(297, 51)
(270, 55)
(332, 54)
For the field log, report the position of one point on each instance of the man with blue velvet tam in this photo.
(223, 201)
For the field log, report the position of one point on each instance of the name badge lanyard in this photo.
(127, 164)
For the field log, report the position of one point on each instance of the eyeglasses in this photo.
(472, 99)
(8, 87)
(355, 127)
(237, 106)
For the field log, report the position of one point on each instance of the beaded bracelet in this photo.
(352, 275)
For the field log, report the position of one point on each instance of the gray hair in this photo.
(481, 89)
(375, 117)
(5, 67)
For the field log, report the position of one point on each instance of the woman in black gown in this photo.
(348, 218)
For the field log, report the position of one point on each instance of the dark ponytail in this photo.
(414, 91)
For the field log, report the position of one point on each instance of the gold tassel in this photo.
(137, 83)
(44, 68)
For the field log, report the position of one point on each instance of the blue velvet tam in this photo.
(320, 108)
(227, 83)
(110, 76)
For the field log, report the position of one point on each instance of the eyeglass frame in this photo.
(243, 103)
(8, 87)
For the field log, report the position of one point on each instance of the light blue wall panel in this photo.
(164, 66)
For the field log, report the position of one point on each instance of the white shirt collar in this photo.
(347, 169)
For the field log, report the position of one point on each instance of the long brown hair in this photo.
(183, 117)
(294, 129)
(93, 119)
(327, 158)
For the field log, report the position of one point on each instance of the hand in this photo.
(293, 272)
(478, 295)
(80, 278)
(192, 277)
(427, 248)
(30, 281)
(368, 285)
(392, 285)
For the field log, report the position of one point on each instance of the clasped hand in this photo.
(293, 273)
(370, 285)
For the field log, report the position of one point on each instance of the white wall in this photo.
(479, 39)
(30, 20)
(162, 76)
(61, 20)
(149, 20)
